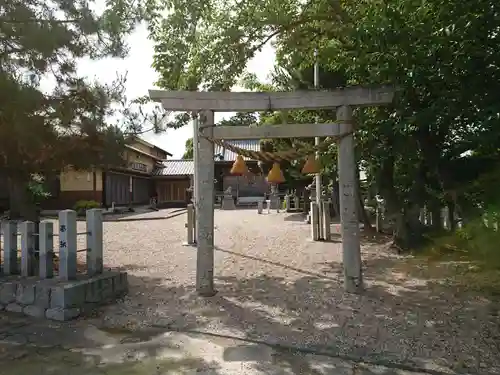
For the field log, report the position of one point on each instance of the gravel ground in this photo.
(275, 284)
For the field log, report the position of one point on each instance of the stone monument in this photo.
(228, 200)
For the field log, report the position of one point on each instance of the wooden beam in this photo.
(276, 131)
(260, 101)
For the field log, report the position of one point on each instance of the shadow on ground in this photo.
(401, 317)
(299, 216)
(154, 355)
(406, 318)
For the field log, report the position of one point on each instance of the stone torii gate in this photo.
(206, 103)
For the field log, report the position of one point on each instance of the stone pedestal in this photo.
(228, 202)
(58, 299)
(275, 202)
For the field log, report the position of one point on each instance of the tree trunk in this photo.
(408, 230)
(94, 185)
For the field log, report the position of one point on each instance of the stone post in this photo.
(314, 214)
(194, 223)
(378, 218)
(326, 221)
(296, 202)
(94, 242)
(204, 179)
(46, 236)
(27, 248)
(9, 248)
(196, 162)
(428, 217)
(274, 199)
(260, 207)
(446, 218)
(190, 224)
(228, 201)
(288, 208)
(351, 249)
(67, 245)
(421, 216)
(321, 227)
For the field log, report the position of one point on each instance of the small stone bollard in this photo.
(274, 202)
(326, 220)
(288, 208)
(421, 216)
(446, 218)
(378, 219)
(314, 221)
(321, 228)
(260, 207)
(190, 224)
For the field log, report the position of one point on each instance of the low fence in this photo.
(44, 255)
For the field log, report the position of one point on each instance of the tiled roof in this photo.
(175, 168)
(186, 167)
(246, 144)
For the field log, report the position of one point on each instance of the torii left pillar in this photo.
(204, 172)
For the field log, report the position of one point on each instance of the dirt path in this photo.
(277, 286)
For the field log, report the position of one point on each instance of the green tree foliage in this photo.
(441, 55)
(188, 154)
(43, 131)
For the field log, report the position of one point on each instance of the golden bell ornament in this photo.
(239, 166)
(275, 175)
(311, 166)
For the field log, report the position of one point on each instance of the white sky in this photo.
(141, 76)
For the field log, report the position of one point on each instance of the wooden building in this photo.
(148, 173)
(125, 186)
(173, 182)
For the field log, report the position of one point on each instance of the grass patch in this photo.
(468, 257)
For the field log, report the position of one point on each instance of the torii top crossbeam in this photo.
(258, 101)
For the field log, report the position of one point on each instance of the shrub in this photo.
(82, 206)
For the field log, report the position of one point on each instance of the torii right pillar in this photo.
(351, 247)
